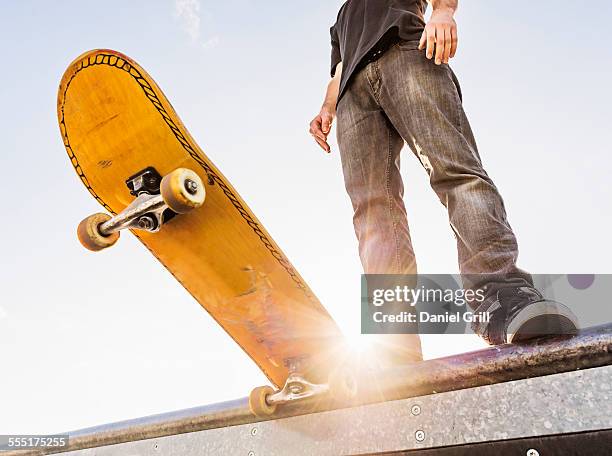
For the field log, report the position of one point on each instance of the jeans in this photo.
(405, 97)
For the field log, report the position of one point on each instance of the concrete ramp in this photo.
(550, 397)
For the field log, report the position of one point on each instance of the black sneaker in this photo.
(521, 313)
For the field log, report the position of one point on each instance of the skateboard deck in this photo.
(116, 122)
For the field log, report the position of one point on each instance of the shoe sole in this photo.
(543, 318)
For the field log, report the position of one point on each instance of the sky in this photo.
(87, 338)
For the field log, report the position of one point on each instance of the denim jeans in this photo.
(405, 97)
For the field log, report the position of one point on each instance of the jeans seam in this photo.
(378, 80)
(369, 79)
(390, 201)
(458, 101)
(373, 68)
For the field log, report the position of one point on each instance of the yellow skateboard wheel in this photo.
(182, 190)
(89, 234)
(257, 401)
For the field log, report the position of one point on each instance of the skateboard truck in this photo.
(264, 400)
(146, 181)
(157, 201)
(296, 387)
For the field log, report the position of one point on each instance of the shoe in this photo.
(517, 314)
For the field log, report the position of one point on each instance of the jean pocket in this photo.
(411, 45)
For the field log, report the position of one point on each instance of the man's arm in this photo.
(321, 124)
(441, 31)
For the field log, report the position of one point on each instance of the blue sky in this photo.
(87, 339)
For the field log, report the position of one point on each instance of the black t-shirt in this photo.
(366, 26)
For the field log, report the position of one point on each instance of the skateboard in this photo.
(134, 155)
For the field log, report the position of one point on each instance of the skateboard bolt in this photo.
(191, 186)
(145, 223)
(416, 410)
(533, 452)
(296, 389)
(419, 435)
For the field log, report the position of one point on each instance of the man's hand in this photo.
(441, 32)
(321, 126)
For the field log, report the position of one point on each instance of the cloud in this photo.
(188, 12)
(191, 16)
(211, 42)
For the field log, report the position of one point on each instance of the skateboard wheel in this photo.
(182, 190)
(89, 234)
(342, 385)
(258, 403)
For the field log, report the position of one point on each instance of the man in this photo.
(391, 84)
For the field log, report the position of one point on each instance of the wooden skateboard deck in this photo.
(115, 121)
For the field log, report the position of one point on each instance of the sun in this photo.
(358, 344)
